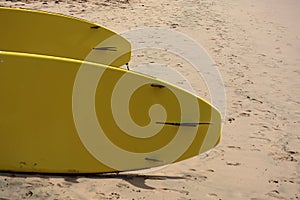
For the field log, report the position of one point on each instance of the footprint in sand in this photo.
(261, 139)
(233, 163)
(233, 147)
(175, 190)
(194, 177)
(213, 195)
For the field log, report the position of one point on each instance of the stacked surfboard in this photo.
(66, 107)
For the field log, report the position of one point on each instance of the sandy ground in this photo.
(256, 46)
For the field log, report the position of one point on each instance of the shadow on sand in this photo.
(136, 180)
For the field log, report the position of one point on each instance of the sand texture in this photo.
(256, 47)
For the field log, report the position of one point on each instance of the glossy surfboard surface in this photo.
(38, 32)
(61, 115)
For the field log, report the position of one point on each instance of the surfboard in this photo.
(61, 115)
(45, 33)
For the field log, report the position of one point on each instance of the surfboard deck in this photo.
(38, 32)
(61, 115)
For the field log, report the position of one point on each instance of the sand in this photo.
(256, 46)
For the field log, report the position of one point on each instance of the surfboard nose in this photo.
(146, 120)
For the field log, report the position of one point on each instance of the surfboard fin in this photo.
(106, 48)
(153, 160)
(191, 124)
(157, 85)
(95, 27)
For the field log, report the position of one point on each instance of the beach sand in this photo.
(256, 46)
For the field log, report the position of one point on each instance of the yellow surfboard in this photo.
(61, 115)
(44, 33)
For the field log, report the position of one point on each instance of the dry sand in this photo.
(256, 46)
